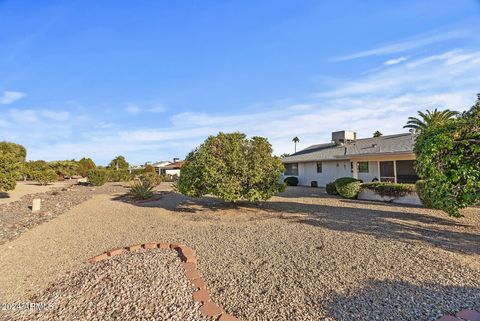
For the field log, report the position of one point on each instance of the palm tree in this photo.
(429, 118)
(295, 140)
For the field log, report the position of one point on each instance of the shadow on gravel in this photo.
(4, 195)
(393, 300)
(340, 216)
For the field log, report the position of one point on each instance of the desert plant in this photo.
(149, 169)
(44, 177)
(423, 193)
(141, 190)
(389, 189)
(448, 160)
(348, 187)
(153, 178)
(291, 181)
(9, 171)
(331, 189)
(97, 177)
(233, 168)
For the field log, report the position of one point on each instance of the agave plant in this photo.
(429, 118)
(141, 190)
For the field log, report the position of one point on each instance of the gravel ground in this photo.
(303, 255)
(147, 285)
(16, 217)
(28, 187)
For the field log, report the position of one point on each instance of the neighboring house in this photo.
(160, 167)
(385, 158)
(174, 168)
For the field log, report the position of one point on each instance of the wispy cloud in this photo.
(9, 97)
(395, 61)
(136, 109)
(403, 46)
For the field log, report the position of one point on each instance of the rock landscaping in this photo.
(303, 255)
(17, 217)
(150, 284)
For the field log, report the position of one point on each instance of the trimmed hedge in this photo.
(390, 189)
(423, 194)
(122, 175)
(348, 187)
(44, 177)
(331, 189)
(291, 181)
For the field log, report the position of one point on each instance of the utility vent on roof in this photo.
(343, 136)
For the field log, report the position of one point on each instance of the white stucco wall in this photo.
(372, 173)
(331, 170)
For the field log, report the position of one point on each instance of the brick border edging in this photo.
(208, 309)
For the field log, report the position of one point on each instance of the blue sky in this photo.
(152, 79)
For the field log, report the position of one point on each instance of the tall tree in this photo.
(377, 134)
(429, 118)
(118, 163)
(233, 168)
(295, 140)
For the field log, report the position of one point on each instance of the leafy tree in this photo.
(18, 150)
(28, 168)
(430, 118)
(118, 162)
(448, 160)
(233, 168)
(295, 140)
(66, 168)
(284, 155)
(149, 169)
(377, 134)
(44, 177)
(86, 164)
(9, 171)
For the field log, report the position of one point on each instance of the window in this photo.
(363, 167)
(319, 167)
(291, 169)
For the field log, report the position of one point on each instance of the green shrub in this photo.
(9, 171)
(423, 194)
(331, 189)
(390, 189)
(97, 177)
(348, 187)
(153, 178)
(44, 177)
(142, 190)
(231, 167)
(119, 176)
(291, 181)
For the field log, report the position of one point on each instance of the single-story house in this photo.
(160, 166)
(174, 168)
(385, 159)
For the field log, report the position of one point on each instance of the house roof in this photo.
(390, 144)
(161, 164)
(176, 165)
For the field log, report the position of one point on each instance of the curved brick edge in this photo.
(208, 309)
